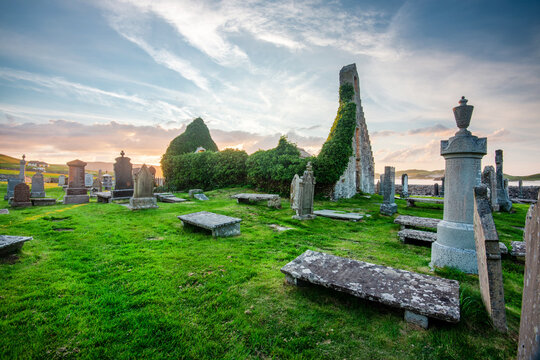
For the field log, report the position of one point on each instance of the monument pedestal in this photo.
(388, 209)
(122, 194)
(76, 199)
(142, 203)
(457, 252)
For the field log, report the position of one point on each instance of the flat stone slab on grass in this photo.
(43, 201)
(273, 199)
(201, 197)
(413, 201)
(518, 249)
(220, 225)
(280, 228)
(407, 221)
(422, 295)
(10, 244)
(104, 197)
(4, 211)
(340, 215)
(417, 235)
(168, 198)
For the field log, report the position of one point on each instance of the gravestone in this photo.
(123, 178)
(436, 189)
(38, 186)
(96, 185)
(192, 192)
(488, 257)
(201, 197)
(61, 180)
(11, 187)
(107, 182)
(488, 179)
(381, 188)
(378, 187)
(502, 193)
(88, 180)
(306, 191)
(455, 245)
(404, 186)
(21, 196)
(143, 190)
(22, 168)
(360, 172)
(10, 244)
(389, 207)
(442, 186)
(529, 329)
(76, 192)
(520, 189)
(295, 187)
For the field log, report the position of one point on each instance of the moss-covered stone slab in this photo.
(10, 244)
(273, 200)
(424, 295)
(219, 225)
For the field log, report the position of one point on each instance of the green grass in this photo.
(125, 285)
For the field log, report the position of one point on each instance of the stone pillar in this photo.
(502, 195)
(436, 189)
(306, 192)
(123, 177)
(529, 331)
(455, 246)
(442, 186)
(520, 189)
(404, 186)
(389, 207)
(488, 179)
(381, 188)
(76, 192)
(22, 169)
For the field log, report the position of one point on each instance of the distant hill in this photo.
(533, 177)
(419, 174)
(6, 159)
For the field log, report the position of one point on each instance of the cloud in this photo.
(420, 153)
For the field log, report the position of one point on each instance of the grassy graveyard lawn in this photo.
(102, 282)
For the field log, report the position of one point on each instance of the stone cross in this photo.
(529, 329)
(389, 207)
(488, 179)
(21, 196)
(76, 192)
(404, 186)
(455, 245)
(306, 192)
(22, 169)
(489, 259)
(38, 186)
(143, 190)
(502, 194)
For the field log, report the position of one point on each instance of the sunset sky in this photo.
(86, 79)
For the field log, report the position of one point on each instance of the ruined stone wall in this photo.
(360, 172)
(529, 192)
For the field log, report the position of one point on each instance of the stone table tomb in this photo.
(273, 199)
(219, 225)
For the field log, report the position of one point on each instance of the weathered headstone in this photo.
(502, 193)
(442, 186)
(529, 329)
(96, 185)
(488, 179)
(192, 192)
(295, 187)
(360, 172)
(306, 191)
(143, 197)
(123, 178)
(107, 182)
(88, 180)
(389, 207)
(436, 189)
(21, 196)
(11, 187)
(455, 245)
(381, 181)
(489, 259)
(520, 188)
(76, 192)
(38, 186)
(61, 180)
(201, 197)
(404, 186)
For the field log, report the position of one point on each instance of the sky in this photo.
(87, 79)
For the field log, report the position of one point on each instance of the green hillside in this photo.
(6, 159)
(533, 177)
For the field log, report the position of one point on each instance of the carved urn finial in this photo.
(122, 153)
(23, 156)
(463, 114)
(309, 167)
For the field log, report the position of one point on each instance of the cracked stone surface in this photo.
(10, 244)
(341, 215)
(518, 249)
(220, 225)
(417, 221)
(422, 294)
(418, 235)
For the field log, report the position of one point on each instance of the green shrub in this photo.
(196, 134)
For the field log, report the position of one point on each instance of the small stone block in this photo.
(416, 319)
(43, 201)
(201, 197)
(4, 211)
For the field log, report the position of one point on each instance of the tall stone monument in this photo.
(436, 189)
(502, 194)
(22, 169)
(38, 186)
(360, 172)
(488, 179)
(520, 189)
(76, 192)
(404, 186)
(381, 182)
(529, 328)
(123, 178)
(305, 189)
(455, 246)
(143, 190)
(389, 207)
(489, 259)
(21, 196)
